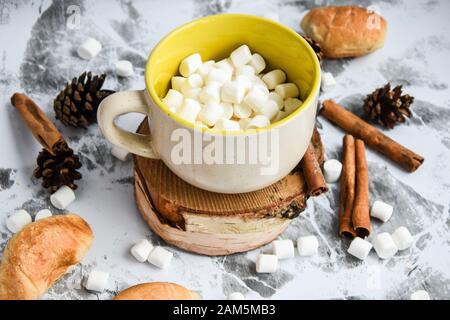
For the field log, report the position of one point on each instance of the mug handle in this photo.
(120, 103)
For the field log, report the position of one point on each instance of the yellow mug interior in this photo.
(215, 37)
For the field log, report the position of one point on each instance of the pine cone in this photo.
(388, 107)
(58, 170)
(77, 104)
(315, 46)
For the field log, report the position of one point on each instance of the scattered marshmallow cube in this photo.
(266, 263)
(190, 64)
(332, 170)
(257, 62)
(278, 100)
(210, 113)
(287, 90)
(245, 70)
(236, 296)
(205, 68)
(195, 80)
(259, 121)
(381, 210)
(256, 99)
(62, 197)
(328, 82)
(178, 82)
(42, 214)
(18, 220)
(227, 125)
(283, 249)
(269, 109)
(233, 91)
(173, 99)
(292, 104)
(307, 246)
(141, 250)
(89, 49)
(420, 295)
(120, 153)
(241, 56)
(274, 78)
(210, 93)
(217, 75)
(384, 245)
(124, 68)
(359, 248)
(402, 238)
(190, 110)
(227, 110)
(160, 257)
(97, 281)
(242, 111)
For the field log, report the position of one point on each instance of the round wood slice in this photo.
(212, 223)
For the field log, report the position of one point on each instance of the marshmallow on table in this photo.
(18, 220)
(210, 113)
(245, 70)
(189, 110)
(292, 104)
(402, 238)
(227, 125)
(283, 249)
(236, 296)
(381, 210)
(124, 68)
(274, 78)
(173, 99)
(256, 99)
(287, 90)
(227, 110)
(120, 153)
(62, 197)
(97, 280)
(257, 62)
(269, 109)
(190, 64)
(42, 214)
(241, 56)
(420, 295)
(332, 170)
(307, 246)
(278, 100)
(141, 250)
(242, 111)
(328, 82)
(210, 93)
(384, 245)
(258, 121)
(178, 82)
(89, 49)
(359, 248)
(160, 257)
(266, 263)
(233, 91)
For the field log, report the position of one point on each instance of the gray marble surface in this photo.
(37, 56)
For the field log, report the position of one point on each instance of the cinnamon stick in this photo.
(360, 213)
(347, 187)
(357, 127)
(41, 127)
(312, 173)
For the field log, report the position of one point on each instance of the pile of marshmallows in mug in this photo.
(232, 94)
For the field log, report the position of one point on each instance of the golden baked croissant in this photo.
(157, 291)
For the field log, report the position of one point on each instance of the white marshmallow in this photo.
(236, 296)
(89, 49)
(307, 246)
(384, 245)
(292, 104)
(258, 121)
(227, 110)
(359, 248)
(274, 78)
(287, 90)
(284, 249)
(243, 123)
(245, 81)
(227, 125)
(245, 70)
(195, 80)
(217, 75)
(210, 93)
(332, 170)
(124, 68)
(266, 263)
(241, 56)
(178, 82)
(205, 68)
(173, 99)
(210, 113)
(233, 91)
(120, 153)
(402, 238)
(97, 280)
(280, 115)
(190, 64)
(420, 295)
(270, 109)
(190, 110)
(256, 99)
(160, 257)
(381, 210)
(42, 214)
(141, 250)
(242, 111)
(257, 82)
(257, 62)
(278, 100)
(62, 198)
(226, 65)
(193, 93)
(18, 220)
(328, 82)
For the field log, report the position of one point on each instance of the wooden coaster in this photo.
(212, 223)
